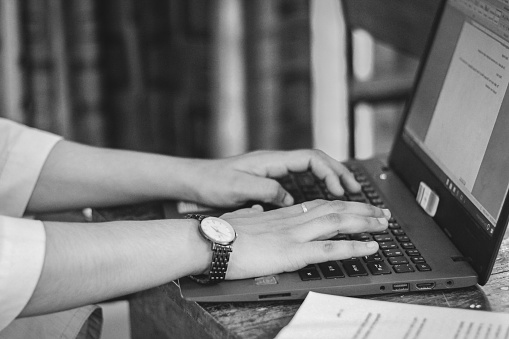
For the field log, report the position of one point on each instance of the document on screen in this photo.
(465, 115)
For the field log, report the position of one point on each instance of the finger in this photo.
(309, 210)
(265, 190)
(244, 212)
(322, 251)
(335, 174)
(329, 225)
(295, 214)
(323, 166)
(321, 207)
(257, 207)
(280, 215)
(290, 211)
(347, 180)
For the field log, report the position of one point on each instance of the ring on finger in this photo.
(304, 208)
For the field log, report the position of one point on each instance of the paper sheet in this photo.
(327, 316)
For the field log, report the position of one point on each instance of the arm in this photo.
(87, 263)
(77, 176)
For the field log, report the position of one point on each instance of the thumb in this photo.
(267, 190)
(244, 212)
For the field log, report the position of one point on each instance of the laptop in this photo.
(445, 180)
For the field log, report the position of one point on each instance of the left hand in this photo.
(251, 177)
(287, 239)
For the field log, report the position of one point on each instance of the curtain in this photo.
(139, 74)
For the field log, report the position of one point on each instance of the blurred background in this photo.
(190, 77)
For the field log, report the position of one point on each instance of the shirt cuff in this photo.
(22, 250)
(24, 163)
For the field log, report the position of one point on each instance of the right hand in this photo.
(287, 239)
(253, 177)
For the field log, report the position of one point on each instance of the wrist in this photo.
(220, 235)
(188, 176)
(200, 250)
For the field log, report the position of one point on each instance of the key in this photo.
(331, 270)
(405, 268)
(378, 268)
(309, 274)
(354, 268)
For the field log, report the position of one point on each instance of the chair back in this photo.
(401, 24)
(404, 26)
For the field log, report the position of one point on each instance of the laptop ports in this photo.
(402, 287)
(274, 296)
(425, 286)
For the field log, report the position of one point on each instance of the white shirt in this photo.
(23, 152)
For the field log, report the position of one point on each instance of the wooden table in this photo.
(162, 313)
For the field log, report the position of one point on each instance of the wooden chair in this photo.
(403, 25)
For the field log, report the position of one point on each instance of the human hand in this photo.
(251, 177)
(287, 239)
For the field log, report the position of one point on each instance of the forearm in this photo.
(77, 176)
(88, 263)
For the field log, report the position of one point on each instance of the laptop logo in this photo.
(427, 199)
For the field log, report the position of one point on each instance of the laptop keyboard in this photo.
(397, 253)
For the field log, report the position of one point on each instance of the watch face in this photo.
(218, 230)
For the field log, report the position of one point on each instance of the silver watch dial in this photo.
(218, 230)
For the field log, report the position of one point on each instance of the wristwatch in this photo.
(221, 235)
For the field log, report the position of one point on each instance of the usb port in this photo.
(400, 287)
(425, 286)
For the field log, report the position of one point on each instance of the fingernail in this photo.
(257, 207)
(383, 221)
(371, 244)
(288, 200)
(387, 213)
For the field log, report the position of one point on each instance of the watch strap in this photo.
(220, 259)
(198, 217)
(218, 266)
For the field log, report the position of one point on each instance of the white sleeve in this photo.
(23, 151)
(22, 250)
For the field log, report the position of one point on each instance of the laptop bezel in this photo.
(474, 243)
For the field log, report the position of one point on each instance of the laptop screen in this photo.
(459, 118)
